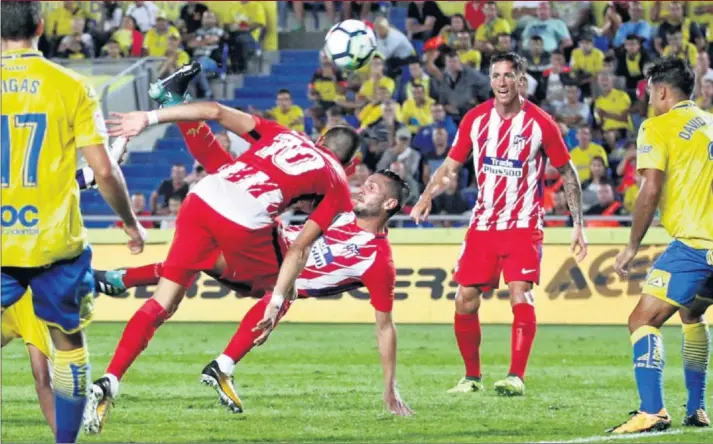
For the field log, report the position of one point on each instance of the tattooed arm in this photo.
(573, 193)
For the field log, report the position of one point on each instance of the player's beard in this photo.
(366, 211)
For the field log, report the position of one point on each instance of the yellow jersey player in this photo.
(675, 158)
(48, 113)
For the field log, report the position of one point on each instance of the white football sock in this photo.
(225, 364)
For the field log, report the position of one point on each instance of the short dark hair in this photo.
(343, 141)
(284, 91)
(512, 57)
(111, 41)
(633, 37)
(674, 72)
(536, 38)
(20, 19)
(675, 30)
(399, 189)
(417, 85)
(335, 111)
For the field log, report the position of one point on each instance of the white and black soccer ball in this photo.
(350, 44)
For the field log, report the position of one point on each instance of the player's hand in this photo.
(395, 404)
(422, 209)
(623, 259)
(127, 124)
(137, 237)
(267, 324)
(579, 243)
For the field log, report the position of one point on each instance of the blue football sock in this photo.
(70, 378)
(648, 367)
(696, 349)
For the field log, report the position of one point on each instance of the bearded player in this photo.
(510, 139)
(233, 212)
(675, 158)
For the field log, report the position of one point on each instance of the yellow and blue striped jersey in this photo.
(680, 143)
(48, 113)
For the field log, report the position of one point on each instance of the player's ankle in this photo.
(473, 378)
(225, 364)
(113, 384)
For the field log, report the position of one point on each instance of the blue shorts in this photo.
(679, 275)
(59, 291)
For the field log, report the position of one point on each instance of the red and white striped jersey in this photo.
(281, 167)
(346, 257)
(509, 157)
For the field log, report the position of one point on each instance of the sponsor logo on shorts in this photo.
(528, 270)
(502, 167)
(657, 282)
(321, 253)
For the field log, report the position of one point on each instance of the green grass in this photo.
(322, 383)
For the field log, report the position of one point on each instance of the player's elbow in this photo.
(105, 170)
(214, 111)
(298, 252)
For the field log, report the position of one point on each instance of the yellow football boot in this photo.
(642, 422)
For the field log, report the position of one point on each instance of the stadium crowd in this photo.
(585, 65)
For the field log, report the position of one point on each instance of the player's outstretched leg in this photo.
(172, 89)
(115, 282)
(696, 351)
(468, 335)
(219, 372)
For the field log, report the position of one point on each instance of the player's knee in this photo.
(42, 378)
(521, 293)
(467, 299)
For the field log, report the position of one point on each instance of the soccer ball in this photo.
(350, 44)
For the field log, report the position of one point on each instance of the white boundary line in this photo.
(608, 438)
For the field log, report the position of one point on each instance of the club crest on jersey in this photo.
(518, 144)
(502, 167)
(321, 253)
(351, 250)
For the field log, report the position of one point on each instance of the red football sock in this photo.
(524, 327)
(242, 342)
(203, 146)
(136, 336)
(467, 328)
(145, 275)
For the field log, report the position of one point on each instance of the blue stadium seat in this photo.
(309, 124)
(352, 120)
(170, 144)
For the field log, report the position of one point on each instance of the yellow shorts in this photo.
(19, 321)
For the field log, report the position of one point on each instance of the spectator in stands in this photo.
(361, 173)
(138, 204)
(286, 113)
(679, 48)
(424, 20)
(527, 88)
(156, 39)
(373, 111)
(631, 64)
(205, 43)
(587, 62)
(224, 140)
(553, 31)
(523, 12)
(245, 32)
(129, 38)
(192, 16)
(144, 13)
(538, 60)
(113, 50)
(574, 14)
(418, 77)
(559, 208)
(450, 201)
(626, 169)
(377, 142)
(443, 120)
(466, 54)
(196, 175)
(574, 113)
(587, 150)
(607, 206)
(504, 44)
(174, 204)
(612, 107)
(636, 26)
(552, 184)
(393, 45)
(335, 117)
(389, 122)
(550, 89)
(440, 149)
(597, 175)
(298, 7)
(703, 66)
(458, 87)
(416, 112)
(705, 99)
(175, 57)
(487, 33)
(369, 89)
(60, 21)
(614, 16)
(690, 32)
(78, 43)
(402, 152)
(361, 9)
(112, 14)
(401, 169)
(450, 31)
(174, 186)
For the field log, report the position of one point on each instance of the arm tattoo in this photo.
(573, 191)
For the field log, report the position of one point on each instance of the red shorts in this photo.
(252, 256)
(486, 254)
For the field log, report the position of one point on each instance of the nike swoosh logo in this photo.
(526, 271)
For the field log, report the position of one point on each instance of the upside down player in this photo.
(510, 139)
(233, 212)
(675, 158)
(49, 114)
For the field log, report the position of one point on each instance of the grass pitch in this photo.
(322, 383)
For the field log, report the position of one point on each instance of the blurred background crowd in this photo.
(586, 63)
